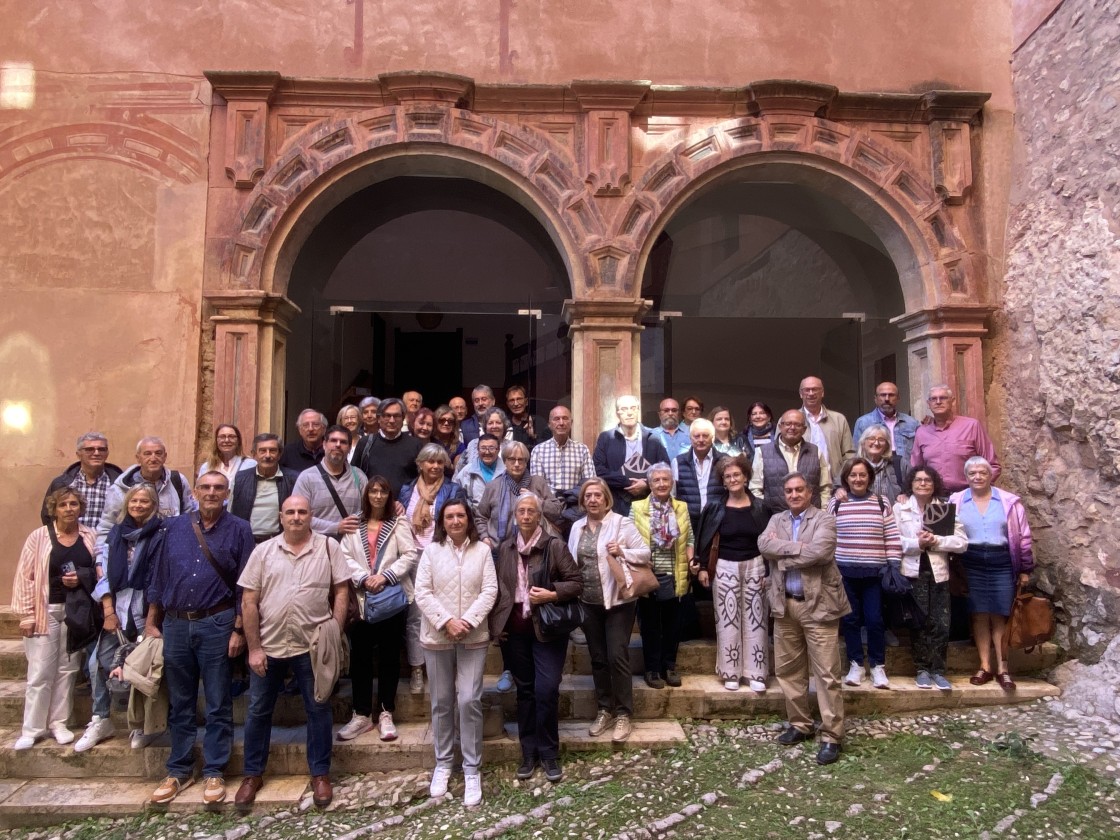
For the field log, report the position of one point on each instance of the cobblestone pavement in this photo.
(1022, 771)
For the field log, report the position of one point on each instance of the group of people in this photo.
(439, 533)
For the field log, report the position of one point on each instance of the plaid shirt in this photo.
(94, 494)
(564, 468)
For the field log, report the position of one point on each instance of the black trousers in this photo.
(660, 625)
(608, 644)
(385, 639)
(537, 668)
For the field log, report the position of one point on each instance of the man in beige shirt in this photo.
(292, 584)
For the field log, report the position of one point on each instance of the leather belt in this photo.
(198, 615)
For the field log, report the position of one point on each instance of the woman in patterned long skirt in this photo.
(728, 534)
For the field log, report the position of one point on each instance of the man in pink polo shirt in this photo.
(950, 440)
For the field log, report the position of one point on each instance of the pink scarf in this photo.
(524, 548)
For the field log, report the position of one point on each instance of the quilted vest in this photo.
(688, 486)
(774, 468)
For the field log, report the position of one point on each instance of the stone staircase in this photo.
(50, 783)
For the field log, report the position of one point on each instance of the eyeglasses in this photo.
(446, 421)
(939, 399)
(514, 459)
(95, 449)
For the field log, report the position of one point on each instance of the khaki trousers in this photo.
(801, 646)
(50, 677)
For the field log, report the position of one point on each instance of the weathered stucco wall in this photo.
(103, 211)
(1056, 341)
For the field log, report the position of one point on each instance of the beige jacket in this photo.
(813, 553)
(635, 550)
(148, 701)
(328, 652)
(398, 563)
(452, 586)
(31, 585)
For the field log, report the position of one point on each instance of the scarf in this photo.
(422, 516)
(511, 489)
(761, 435)
(524, 549)
(124, 539)
(663, 527)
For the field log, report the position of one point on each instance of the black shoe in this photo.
(793, 735)
(829, 752)
(672, 678)
(653, 680)
(552, 770)
(528, 765)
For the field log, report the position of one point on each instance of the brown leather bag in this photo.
(713, 556)
(1031, 622)
(632, 581)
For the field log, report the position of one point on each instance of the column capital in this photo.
(605, 314)
(236, 306)
(949, 321)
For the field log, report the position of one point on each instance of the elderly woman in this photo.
(227, 454)
(350, 418)
(48, 566)
(728, 534)
(664, 524)
(422, 500)
(126, 557)
(446, 430)
(600, 538)
(381, 553)
(760, 429)
(866, 541)
(875, 447)
(534, 568)
(422, 424)
(999, 555)
(456, 587)
(925, 561)
(484, 469)
(726, 441)
(368, 407)
(494, 422)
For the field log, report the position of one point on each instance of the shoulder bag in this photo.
(557, 619)
(1032, 620)
(392, 598)
(632, 581)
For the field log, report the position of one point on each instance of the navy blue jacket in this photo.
(245, 489)
(610, 455)
(688, 487)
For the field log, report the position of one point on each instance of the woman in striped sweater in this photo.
(866, 541)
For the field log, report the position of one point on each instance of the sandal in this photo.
(981, 677)
(1005, 681)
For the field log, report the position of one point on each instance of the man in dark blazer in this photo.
(624, 453)
(260, 490)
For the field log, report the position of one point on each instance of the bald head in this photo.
(295, 519)
(812, 393)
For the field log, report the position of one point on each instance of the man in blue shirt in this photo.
(673, 436)
(901, 425)
(193, 605)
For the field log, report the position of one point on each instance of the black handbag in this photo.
(557, 619)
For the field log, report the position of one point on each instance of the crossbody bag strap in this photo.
(231, 585)
(53, 535)
(334, 493)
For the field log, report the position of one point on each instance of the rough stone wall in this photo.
(1055, 396)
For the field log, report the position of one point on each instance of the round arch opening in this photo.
(772, 270)
(423, 272)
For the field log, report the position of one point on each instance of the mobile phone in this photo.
(68, 568)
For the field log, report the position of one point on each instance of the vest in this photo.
(774, 468)
(639, 513)
(688, 485)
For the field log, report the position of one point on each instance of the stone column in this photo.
(250, 344)
(944, 346)
(606, 358)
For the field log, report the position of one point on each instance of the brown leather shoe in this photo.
(981, 677)
(321, 793)
(247, 793)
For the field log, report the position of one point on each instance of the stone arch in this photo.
(157, 151)
(329, 155)
(934, 264)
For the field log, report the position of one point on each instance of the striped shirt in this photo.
(866, 535)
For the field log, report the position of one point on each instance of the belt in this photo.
(198, 615)
(790, 597)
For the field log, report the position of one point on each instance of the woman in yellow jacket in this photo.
(664, 524)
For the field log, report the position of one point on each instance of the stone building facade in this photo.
(165, 199)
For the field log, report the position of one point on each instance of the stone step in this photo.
(697, 656)
(9, 624)
(288, 756)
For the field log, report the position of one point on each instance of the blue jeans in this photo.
(866, 597)
(193, 650)
(262, 701)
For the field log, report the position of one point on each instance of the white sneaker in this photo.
(473, 794)
(23, 742)
(440, 777)
(855, 674)
(879, 677)
(386, 726)
(578, 637)
(416, 682)
(731, 685)
(138, 740)
(97, 730)
(757, 686)
(62, 735)
(357, 725)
